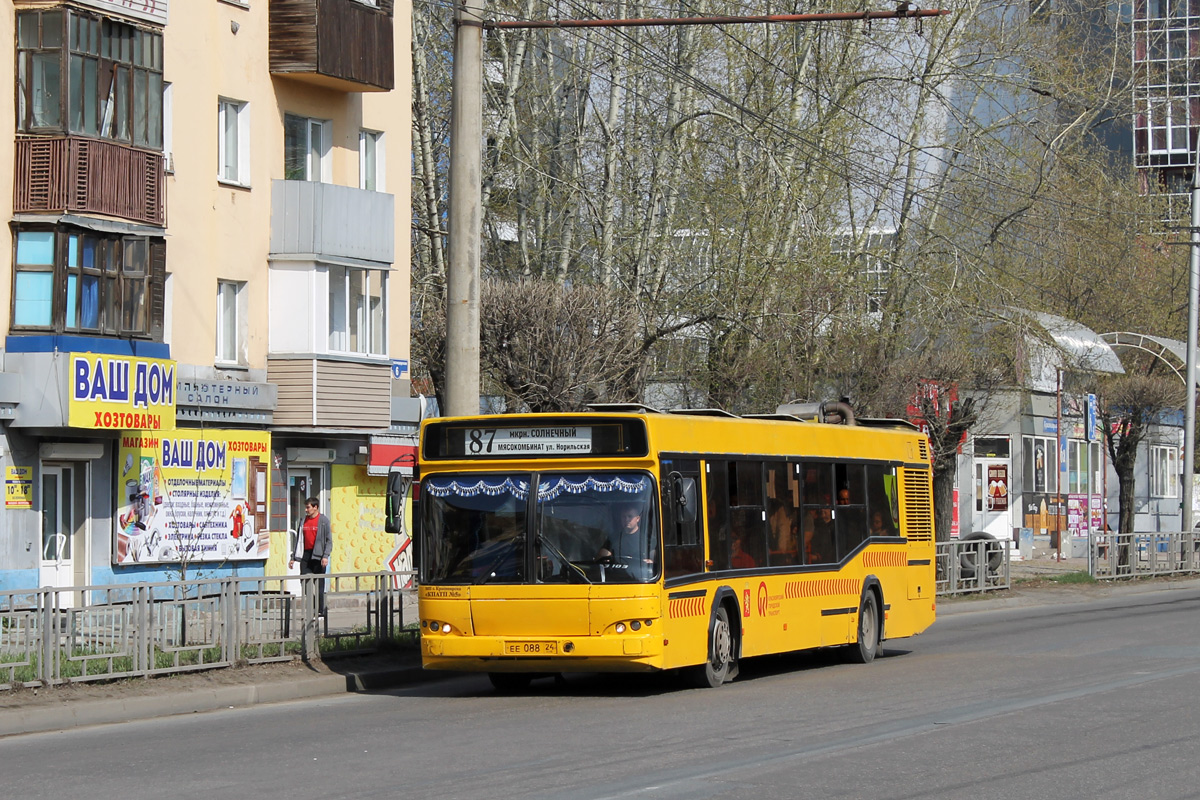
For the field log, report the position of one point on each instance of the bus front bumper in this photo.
(625, 653)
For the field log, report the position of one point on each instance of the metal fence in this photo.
(973, 565)
(1143, 555)
(84, 633)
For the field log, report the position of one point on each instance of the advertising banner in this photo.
(997, 488)
(121, 392)
(18, 487)
(191, 496)
(1043, 512)
(1097, 513)
(1077, 514)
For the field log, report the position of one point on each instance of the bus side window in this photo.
(881, 499)
(783, 513)
(749, 514)
(716, 475)
(819, 542)
(851, 511)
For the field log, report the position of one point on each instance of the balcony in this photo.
(328, 393)
(321, 221)
(90, 176)
(340, 44)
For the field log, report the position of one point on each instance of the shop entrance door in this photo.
(993, 497)
(303, 483)
(64, 554)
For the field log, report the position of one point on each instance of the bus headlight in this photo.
(445, 627)
(637, 626)
(620, 627)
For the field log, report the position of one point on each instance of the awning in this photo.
(387, 452)
(1082, 347)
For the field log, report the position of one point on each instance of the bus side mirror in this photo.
(684, 490)
(397, 493)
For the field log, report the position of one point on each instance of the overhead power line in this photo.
(903, 11)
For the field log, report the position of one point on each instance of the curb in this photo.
(68, 714)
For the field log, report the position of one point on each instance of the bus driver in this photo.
(628, 545)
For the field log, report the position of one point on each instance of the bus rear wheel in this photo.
(721, 665)
(869, 630)
(509, 681)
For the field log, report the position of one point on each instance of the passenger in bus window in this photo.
(784, 532)
(843, 497)
(741, 559)
(880, 526)
(819, 537)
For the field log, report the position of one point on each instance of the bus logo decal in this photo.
(762, 599)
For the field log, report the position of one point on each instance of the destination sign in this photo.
(550, 440)
(541, 436)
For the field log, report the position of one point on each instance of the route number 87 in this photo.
(479, 440)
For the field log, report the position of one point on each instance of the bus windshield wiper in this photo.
(540, 541)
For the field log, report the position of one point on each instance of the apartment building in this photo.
(207, 319)
(1166, 97)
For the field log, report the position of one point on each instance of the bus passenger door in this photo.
(683, 547)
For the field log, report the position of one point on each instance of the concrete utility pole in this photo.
(465, 213)
(1189, 424)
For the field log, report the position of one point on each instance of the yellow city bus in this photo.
(626, 539)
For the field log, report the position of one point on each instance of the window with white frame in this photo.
(371, 161)
(1078, 469)
(306, 149)
(1164, 471)
(357, 311)
(230, 318)
(233, 141)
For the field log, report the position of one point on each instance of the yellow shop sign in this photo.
(121, 392)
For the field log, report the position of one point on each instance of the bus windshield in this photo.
(474, 528)
(596, 526)
(590, 527)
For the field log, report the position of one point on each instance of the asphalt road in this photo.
(1093, 700)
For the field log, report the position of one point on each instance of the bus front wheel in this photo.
(869, 630)
(721, 665)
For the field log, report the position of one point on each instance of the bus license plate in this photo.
(531, 648)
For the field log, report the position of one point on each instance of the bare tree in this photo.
(1129, 406)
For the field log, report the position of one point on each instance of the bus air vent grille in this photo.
(918, 506)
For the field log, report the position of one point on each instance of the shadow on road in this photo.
(630, 685)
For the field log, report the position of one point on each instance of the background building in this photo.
(203, 218)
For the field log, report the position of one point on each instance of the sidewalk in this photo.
(1033, 585)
